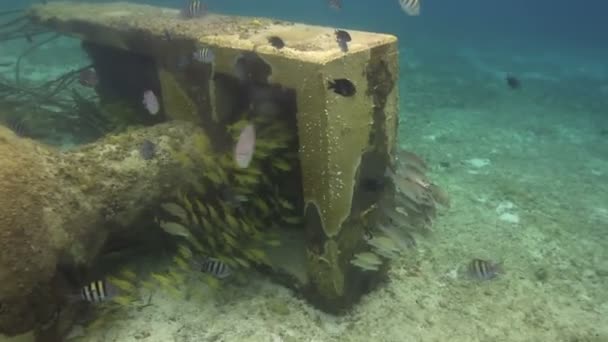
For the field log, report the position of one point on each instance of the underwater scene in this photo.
(303, 171)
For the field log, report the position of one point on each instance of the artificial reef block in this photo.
(346, 141)
(334, 130)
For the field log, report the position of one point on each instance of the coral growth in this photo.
(23, 183)
(48, 209)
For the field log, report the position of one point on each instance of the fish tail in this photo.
(331, 85)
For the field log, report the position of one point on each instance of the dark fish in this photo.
(342, 37)
(98, 291)
(342, 86)
(335, 4)
(483, 269)
(204, 55)
(88, 78)
(147, 150)
(216, 268)
(411, 7)
(194, 9)
(513, 82)
(29, 38)
(6, 64)
(276, 42)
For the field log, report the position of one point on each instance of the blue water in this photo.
(526, 169)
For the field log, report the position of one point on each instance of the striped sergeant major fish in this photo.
(335, 4)
(194, 9)
(203, 55)
(216, 268)
(98, 291)
(484, 269)
(411, 7)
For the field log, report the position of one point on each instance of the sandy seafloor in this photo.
(527, 172)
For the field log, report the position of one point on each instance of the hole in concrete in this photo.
(123, 78)
(251, 68)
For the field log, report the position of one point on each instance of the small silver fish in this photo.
(204, 55)
(483, 269)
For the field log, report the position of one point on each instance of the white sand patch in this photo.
(504, 206)
(600, 214)
(477, 164)
(509, 217)
(505, 211)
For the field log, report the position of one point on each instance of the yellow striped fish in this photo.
(411, 7)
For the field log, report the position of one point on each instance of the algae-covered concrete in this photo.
(343, 140)
(56, 207)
